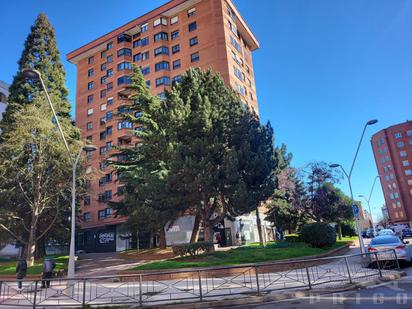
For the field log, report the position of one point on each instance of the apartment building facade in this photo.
(392, 148)
(4, 93)
(165, 42)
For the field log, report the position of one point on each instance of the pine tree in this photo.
(40, 53)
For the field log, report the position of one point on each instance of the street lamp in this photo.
(348, 176)
(368, 202)
(34, 74)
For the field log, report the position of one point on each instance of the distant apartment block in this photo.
(165, 42)
(392, 148)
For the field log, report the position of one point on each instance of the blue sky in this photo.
(324, 67)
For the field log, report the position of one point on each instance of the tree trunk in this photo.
(259, 226)
(40, 248)
(31, 245)
(162, 240)
(196, 229)
(208, 230)
(151, 242)
(340, 231)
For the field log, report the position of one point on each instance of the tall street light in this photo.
(348, 176)
(34, 74)
(368, 202)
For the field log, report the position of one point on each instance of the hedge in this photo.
(193, 249)
(293, 238)
(319, 235)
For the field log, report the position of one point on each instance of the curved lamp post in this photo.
(34, 74)
(348, 176)
(368, 202)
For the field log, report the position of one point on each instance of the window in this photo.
(162, 50)
(87, 200)
(103, 150)
(90, 85)
(174, 35)
(124, 125)
(192, 26)
(240, 89)
(109, 145)
(102, 214)
(176, 64)
(103, 93)
(103, 80)
(238, 60)
(194, 57)
(193, 41)
(124, 52)
(398, 135)
(164, 65)
(145, 56)
(137, 57)
(89, 125)
(109, 131)
(142, 42)
(109, 46)
(400, 144)
(87, 216)
(396, 195)
(191, 12)
(90, 72)
(175, 49)
(124, 80)
(109, 73)
(103, 54)
(405, 163)
(160, 21)
(233, 28)
(109, 212)
(102, 135)
(177, 79)
(109, 116)
(90, 99)
(238, 73)
(148, 83)
(90, 112)
(90, 60)
(235, 44)
(123, 110)
(109, 59)
(103, 67)
(146, 70)
(144, 28)
(174, 20)
(408, 172)
(109, 86)
(138, 114)
(161, 36)
(124, 66)
(110, 101)
(165, 80)
(403, 153)
(124, 38)
(103, 107)
(409, 133)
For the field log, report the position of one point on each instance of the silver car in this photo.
(389, 242)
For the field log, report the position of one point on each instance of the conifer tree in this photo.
(40, 52)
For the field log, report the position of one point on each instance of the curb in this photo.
(282, 296)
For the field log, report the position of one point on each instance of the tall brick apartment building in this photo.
(164, 42)
(392, 148)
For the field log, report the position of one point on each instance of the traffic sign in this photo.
(355, 210)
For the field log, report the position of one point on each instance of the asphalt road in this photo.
(396, 294)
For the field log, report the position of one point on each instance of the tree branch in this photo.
(12, 234)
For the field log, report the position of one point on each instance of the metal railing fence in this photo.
(200, 284)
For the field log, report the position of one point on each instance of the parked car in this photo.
(370, 233)
(407, 233)
(389, 242)
(386, 232)
(364, 233)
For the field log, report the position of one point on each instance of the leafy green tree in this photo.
(28, 217)
(287, 207)
(144, 169)
(35, 174)
(223, 161)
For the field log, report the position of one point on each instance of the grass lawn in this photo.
(252, 253)
(9, 267)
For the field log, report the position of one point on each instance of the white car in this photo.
(387, 243)
(386, 232)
